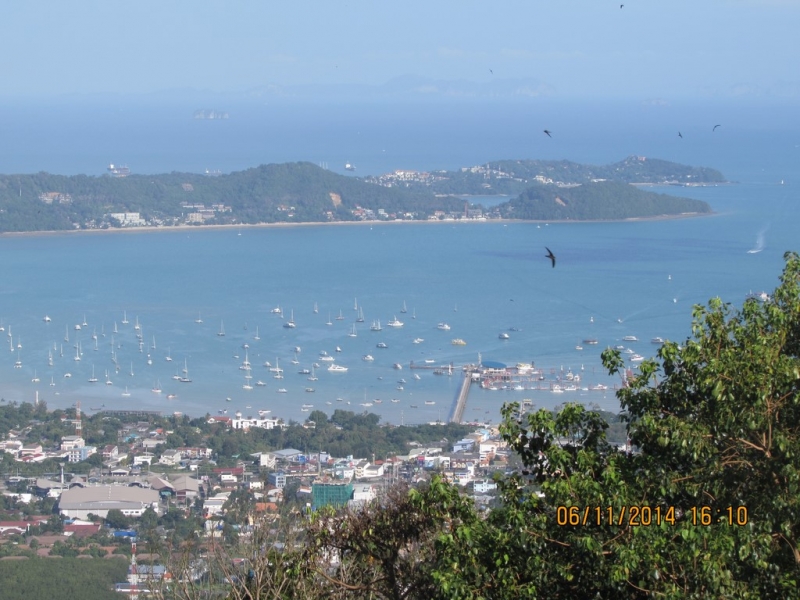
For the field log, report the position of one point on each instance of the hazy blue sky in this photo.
(650, 49)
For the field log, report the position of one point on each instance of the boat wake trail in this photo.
(760, 241)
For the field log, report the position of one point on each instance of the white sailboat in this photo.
(353, 331)
(185, 378)
(312, 377)
(168, 358)
(329, 320)
(316, 308)
(199, 319)
(93, 379)
(256, 336)
(404, 309)
(125, 318)
(290, 323)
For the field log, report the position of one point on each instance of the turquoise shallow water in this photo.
(612, 280)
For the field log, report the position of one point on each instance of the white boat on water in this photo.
(376, 326)
(353, 331)
(443, 326)
(418, 340)
(277, 310)
(395, 322)
(290, 324)
(630, 338)
(337, 369)
(221, 332)
(368, 357)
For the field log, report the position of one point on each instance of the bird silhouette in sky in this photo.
(490, 71)
(621, 5)
(679, 135)
(548, 133)
(551, 256)
(715, 127)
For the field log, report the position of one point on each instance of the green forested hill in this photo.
(255, 195)
(604, 200)
(303, 192)
(511, 177)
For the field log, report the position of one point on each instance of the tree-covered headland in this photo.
(302, 192)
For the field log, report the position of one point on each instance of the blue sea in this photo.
(611, 280)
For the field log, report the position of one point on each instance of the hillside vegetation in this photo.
(604, 200)
(302, 192)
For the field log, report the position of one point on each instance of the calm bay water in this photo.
(612, 280)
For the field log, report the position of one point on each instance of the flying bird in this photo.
(548, 133)
(490, 71)
(679, 134)
(715, 127)
(551, 256)
(621, 5)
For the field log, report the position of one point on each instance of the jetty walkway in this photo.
(457, 410)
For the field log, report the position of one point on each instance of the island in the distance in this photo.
(305, 193)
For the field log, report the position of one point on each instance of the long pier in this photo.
(460, 403)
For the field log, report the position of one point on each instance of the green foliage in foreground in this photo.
(707, 507)
(63, 578)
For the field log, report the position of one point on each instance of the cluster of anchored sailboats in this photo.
(132, 355)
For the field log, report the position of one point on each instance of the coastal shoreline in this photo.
(186, 228)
